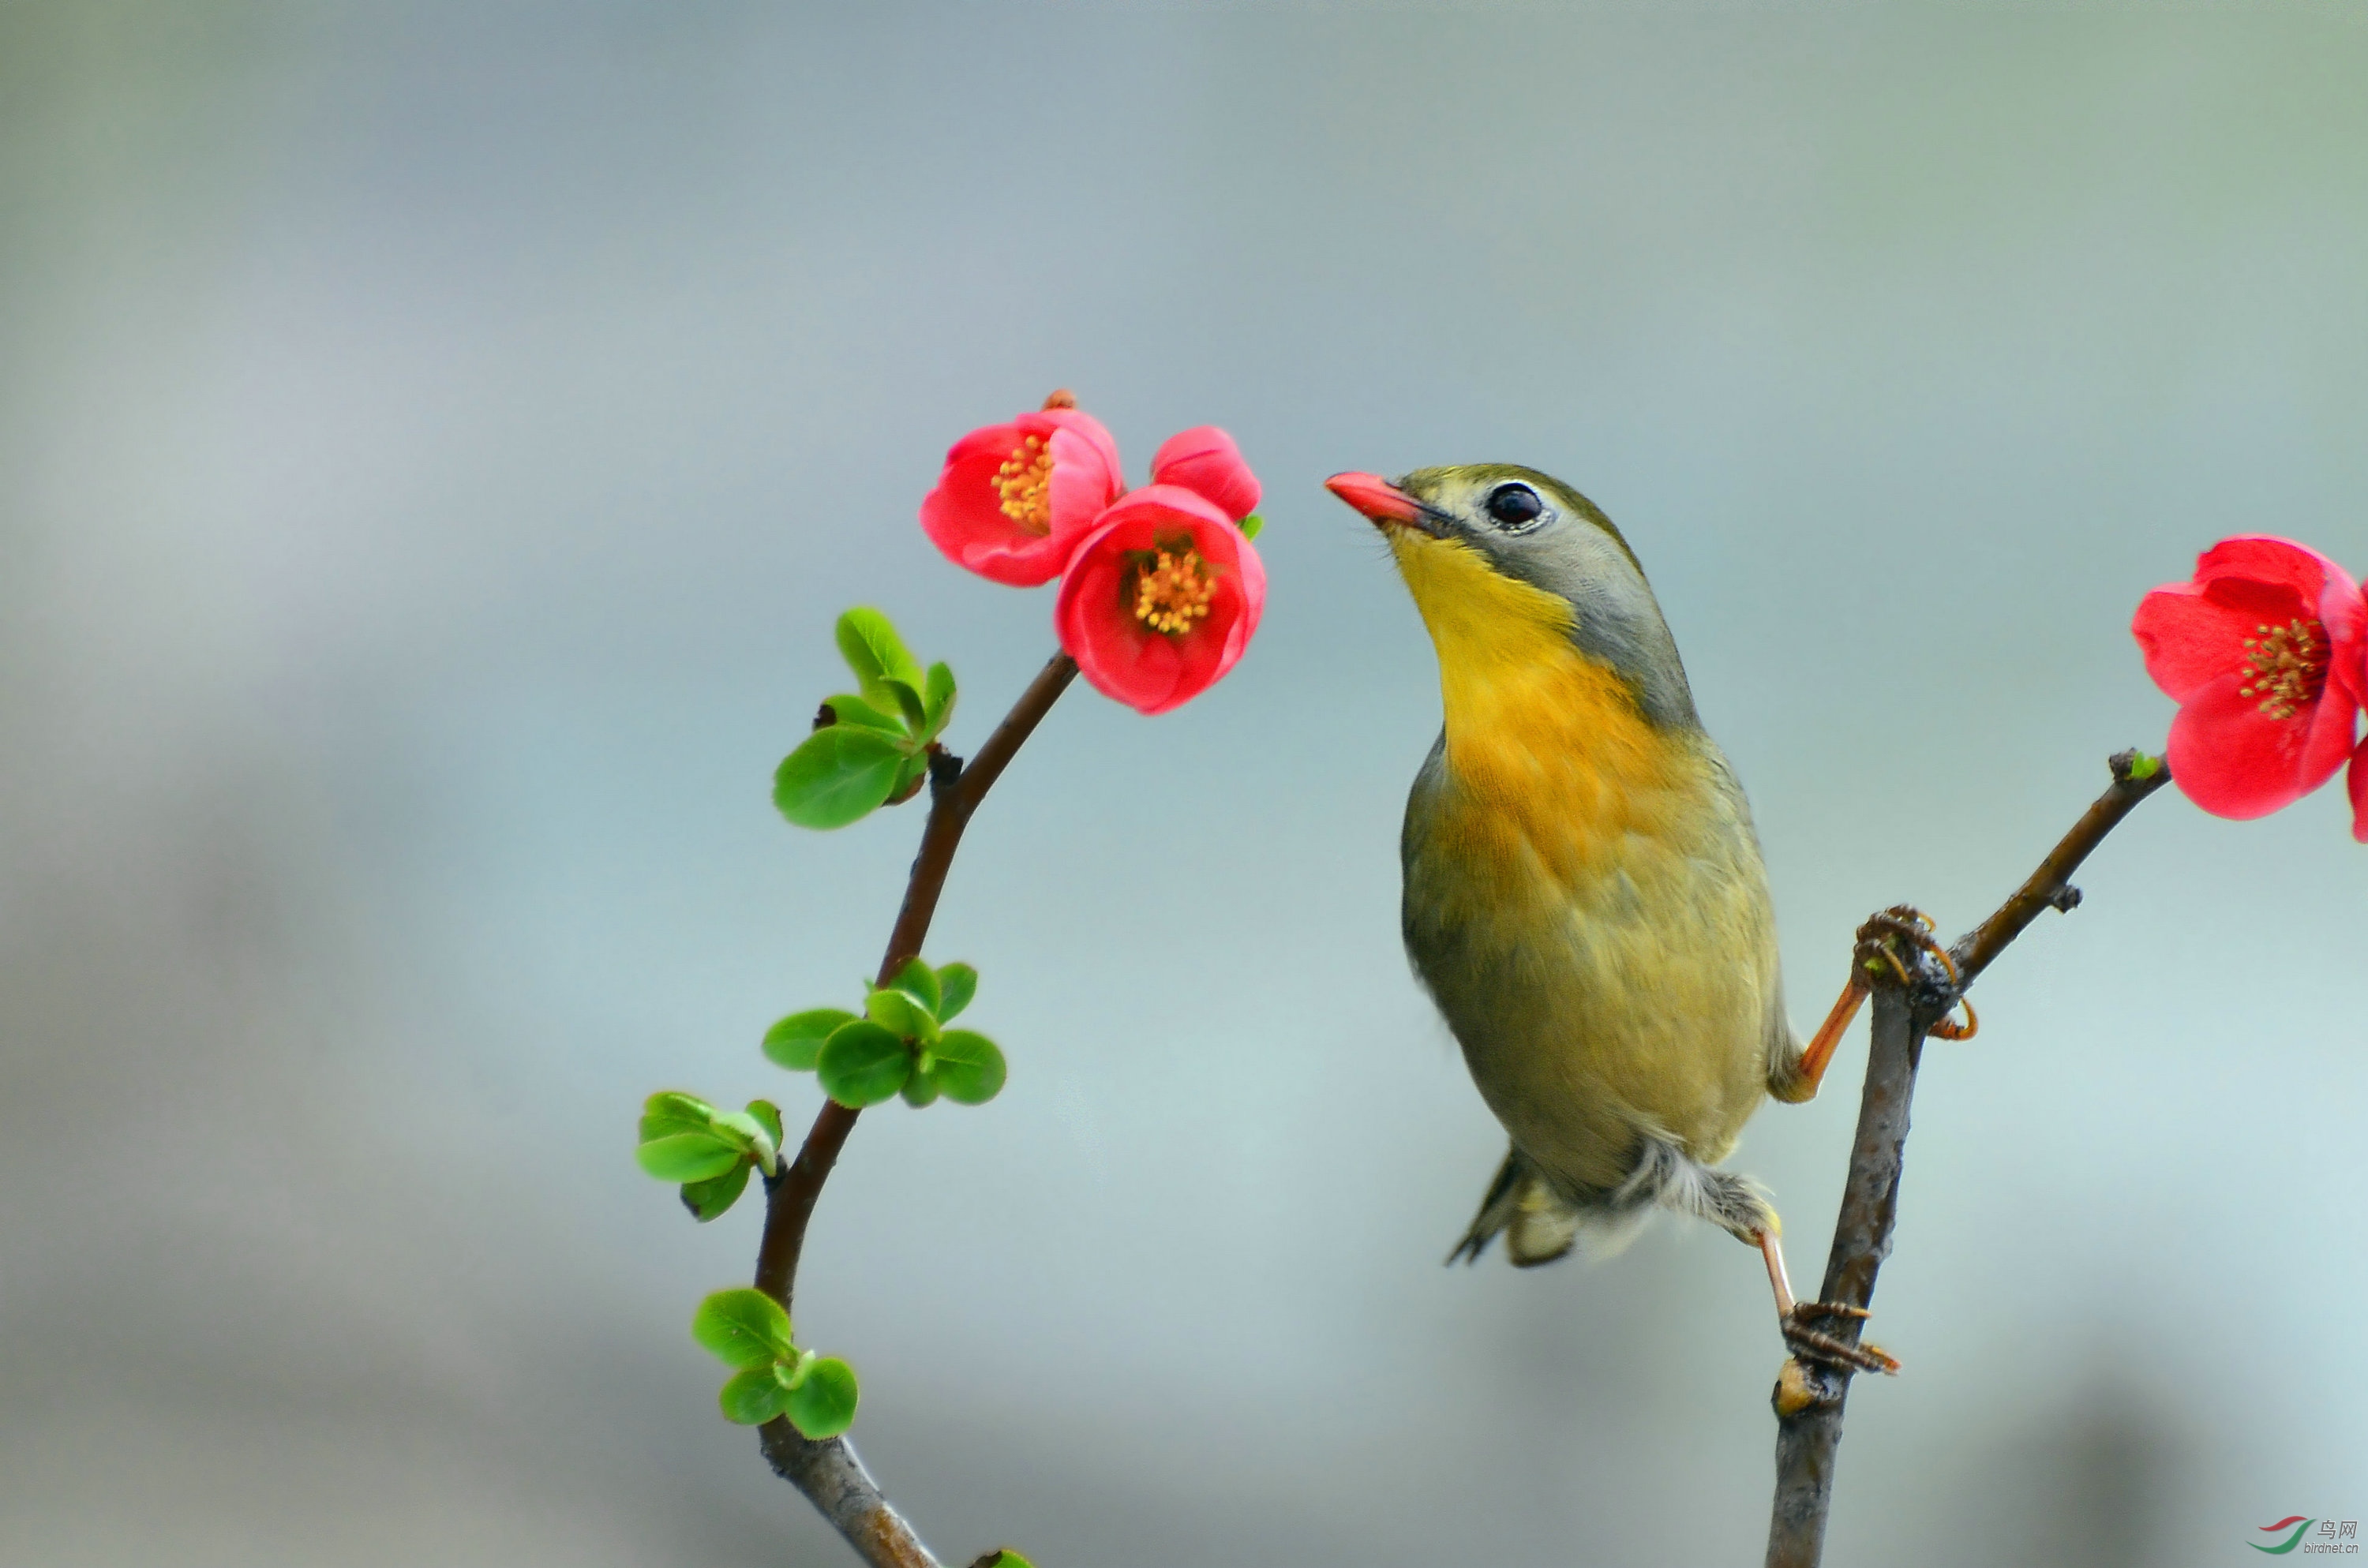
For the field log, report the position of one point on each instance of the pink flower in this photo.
(2263, 652)
(1204, 460)
(1160, 599)
(1015, 499)
(2357, 784)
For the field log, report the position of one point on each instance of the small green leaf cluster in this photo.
(685, 1140)
(899, 1044)
(747, 1330)
(872, 745)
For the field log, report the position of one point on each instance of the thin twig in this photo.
(829, 1472)
(2049, 887)
(1809, 1396)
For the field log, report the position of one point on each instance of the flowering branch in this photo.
(1160, 594)
(828, 1471)
(955, 791)
(1914, 989)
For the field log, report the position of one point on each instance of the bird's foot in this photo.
(1906, 923)
(1811, 1343)
(1897, 941)
(1910, 925)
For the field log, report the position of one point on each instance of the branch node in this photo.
(1801, 1386)
(1916, 981)
(2135, 767)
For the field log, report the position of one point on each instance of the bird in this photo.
(1584, 895)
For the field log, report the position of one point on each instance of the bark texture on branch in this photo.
(843, 1491)
(1809, 1396)
(829, 1472)
(1813, 1393)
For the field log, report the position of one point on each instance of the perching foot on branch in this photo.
(1810, 1343)
(1878, 955)
(1799, 1321)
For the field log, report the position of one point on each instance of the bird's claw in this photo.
(1811, 1344)
(1912, 925)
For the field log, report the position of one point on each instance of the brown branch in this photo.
(1809, 1396)
(828, 1472)
(2050, 887)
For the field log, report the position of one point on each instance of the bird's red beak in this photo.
(1377, 498)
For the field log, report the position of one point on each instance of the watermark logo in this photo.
(2333, 1536)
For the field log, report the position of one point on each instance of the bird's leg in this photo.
(1872, 956)
(1794, 1319)
(1774, 1251)
(1801, 1083)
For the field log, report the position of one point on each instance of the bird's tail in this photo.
(1539, 1225)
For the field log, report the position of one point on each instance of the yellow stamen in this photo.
(1025, 483)
(2287, 666)
(1172, 589)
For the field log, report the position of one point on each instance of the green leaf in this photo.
(900, 1014)
(862, 1064)
(738, 1127)
(1004, 1557)
(1251, 525)
(689, 1156)
(956, 983)
(796, 1041)
(769, 1116)
(837, 776)
(969, 1067)
(919, 981)
(938, 697)
(847, 710)
(706, 1199)
(921, 1089)
(743, 1328)
(867, 642)
(909, 776)
(667, 1112)
(753, 1397)
(907, 697)
(823, 1404)
(748, 1135)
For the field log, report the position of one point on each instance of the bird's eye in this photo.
(1514, 505)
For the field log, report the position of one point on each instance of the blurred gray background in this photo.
(433, 442)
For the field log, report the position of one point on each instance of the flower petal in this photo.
(1095, 433)
(1204, 460)
(2357, 788)
(2234, 760)
(1152, 672)
(2343, 611)
(2269, 558)
(2356, 782)
(2193, 633)
(964, 516)
(2328, 742)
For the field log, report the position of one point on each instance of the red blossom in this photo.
(2263, 652)
(2358, 781)
(1160, 599)
(1015, 499)
(1205, 460)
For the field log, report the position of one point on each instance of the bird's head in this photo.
(1499, 556)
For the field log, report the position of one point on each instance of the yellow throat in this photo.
(1550, 752)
